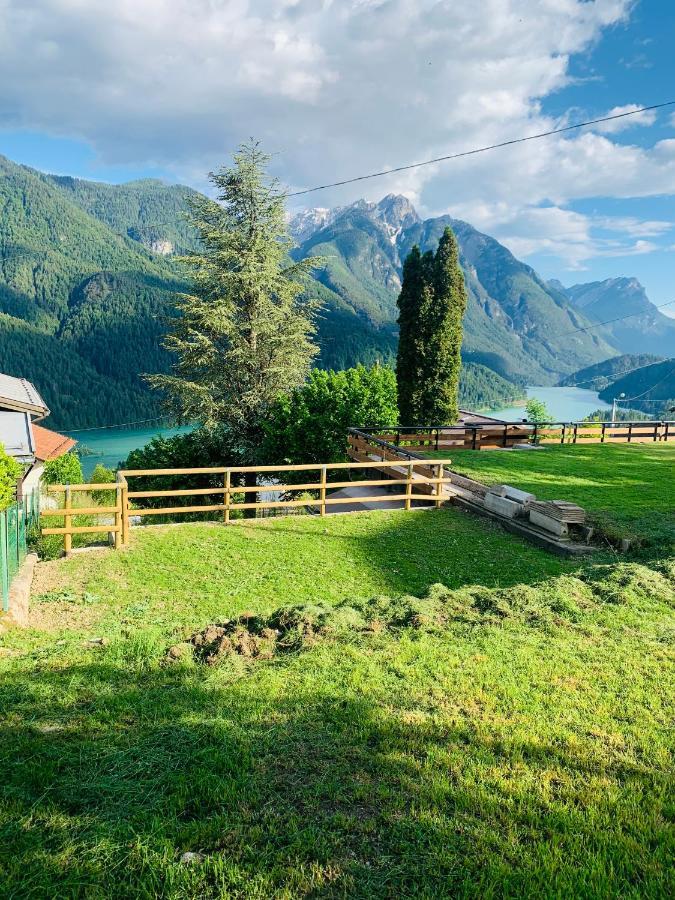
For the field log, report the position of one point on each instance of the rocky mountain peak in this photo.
(397, 211)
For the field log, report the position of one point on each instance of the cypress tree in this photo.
(407, 358)
(432, 305)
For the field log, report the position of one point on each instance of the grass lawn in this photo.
(629, 488)
(510, 740)
(191, 574)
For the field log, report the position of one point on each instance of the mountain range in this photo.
(647, 330)
(88, 276)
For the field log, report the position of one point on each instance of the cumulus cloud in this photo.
(629, 121)
(338, 88)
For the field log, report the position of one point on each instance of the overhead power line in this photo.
(118, 425)
(611, 321)
(510, 143)
(653, 387)
(618, 374)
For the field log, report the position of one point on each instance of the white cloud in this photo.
(617, 125)
(338, 88)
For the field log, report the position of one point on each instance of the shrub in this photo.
(102, 475)
(201, 448)
(310, 424)
(537, 411)
(65, 469)
(10, 472)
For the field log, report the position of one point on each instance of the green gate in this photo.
(13, 524)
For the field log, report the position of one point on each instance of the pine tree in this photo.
(243, 337)
(432, 305)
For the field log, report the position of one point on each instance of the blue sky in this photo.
(168, 88)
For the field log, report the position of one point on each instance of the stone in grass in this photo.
(190, 859)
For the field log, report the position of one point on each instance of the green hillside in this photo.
(515, 324)
(148, 211)
(650, 390)
(598, 376)
(89, 270)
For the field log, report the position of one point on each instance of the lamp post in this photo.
(614, 401)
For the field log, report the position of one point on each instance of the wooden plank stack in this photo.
(560, 510)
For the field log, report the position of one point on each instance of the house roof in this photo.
(468, 417)
(20, 395)
(50, 444)
(16, 435)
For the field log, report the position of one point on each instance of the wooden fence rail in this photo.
(422, 481)
(490, 436)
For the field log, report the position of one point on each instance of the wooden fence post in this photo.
(67, 522)
(439, 486)
(226, 501)
(125, 513)
(323, 491)
(118, 517)
(408, 485)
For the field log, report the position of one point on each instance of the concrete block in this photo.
(517, 495)
(498, 490)
(503, 507)
(548, 524)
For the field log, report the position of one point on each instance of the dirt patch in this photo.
(57, 615)
(49, 575)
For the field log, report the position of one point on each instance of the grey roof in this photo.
(16, 435)
(18, 393)
(468, 417)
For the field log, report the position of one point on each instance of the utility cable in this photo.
(510, 143)
(611, 321)
(118, 425)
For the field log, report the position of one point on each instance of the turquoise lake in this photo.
(110, 446)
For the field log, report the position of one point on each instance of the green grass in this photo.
(186, 575)
(515, 742)
(629, 489)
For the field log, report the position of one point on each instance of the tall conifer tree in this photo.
(432, 305)
(243, 337)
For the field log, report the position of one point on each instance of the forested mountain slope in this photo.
(598, 376)
(515, 323)
(641, 326)
(650, 389)
(88, 276)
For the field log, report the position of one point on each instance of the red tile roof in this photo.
(50, 444)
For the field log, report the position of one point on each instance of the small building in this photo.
(468, 417)
(32, 445)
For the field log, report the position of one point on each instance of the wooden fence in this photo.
(420, 480)
(492, 436)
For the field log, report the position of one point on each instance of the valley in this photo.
(89, 275)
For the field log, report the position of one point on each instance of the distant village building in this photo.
(468, 417)
(32, 445)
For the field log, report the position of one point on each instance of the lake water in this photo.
(566, 404)
(110, 446)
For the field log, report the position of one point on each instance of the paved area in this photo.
(352, 504)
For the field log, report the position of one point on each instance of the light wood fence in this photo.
(491, 436)
(419, 480)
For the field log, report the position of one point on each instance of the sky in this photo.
(339, 88)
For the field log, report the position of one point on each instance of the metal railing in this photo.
(15, 521)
